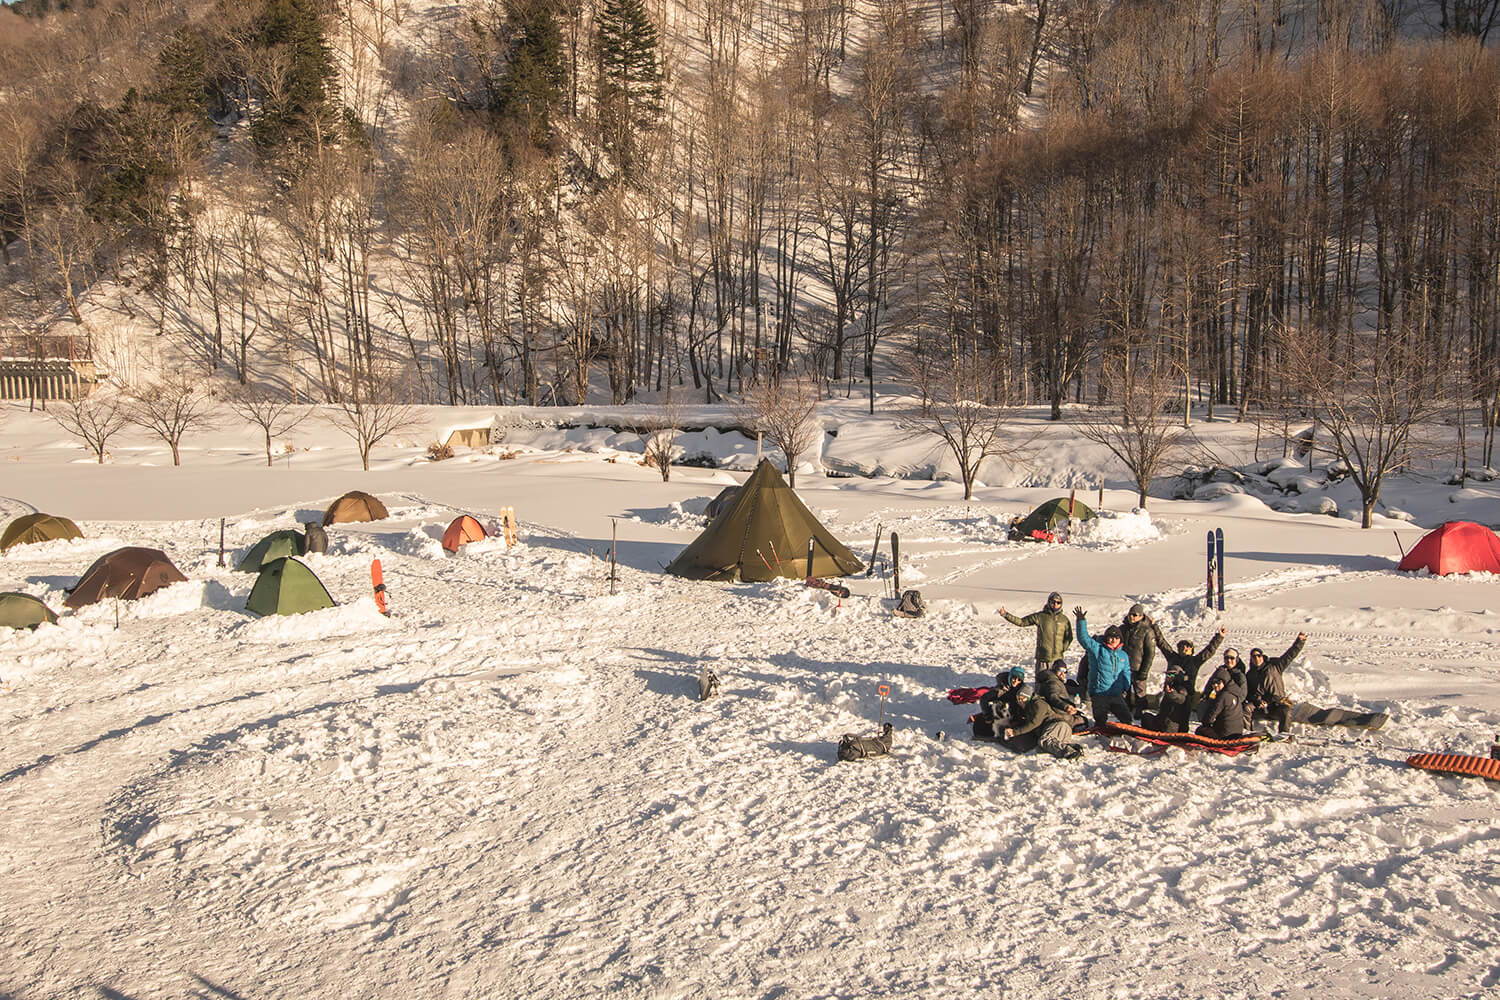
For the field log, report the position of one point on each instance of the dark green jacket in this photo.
(1036, 713)
(1054, 633)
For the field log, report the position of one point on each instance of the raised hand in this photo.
(1078, 611)
(1302, 636)
(1002, 610)
(1223, 631)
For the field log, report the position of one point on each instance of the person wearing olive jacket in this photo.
(1042, 727)
(1054, 634)
(1109, 672)
(1184, 659)
(1267, 698)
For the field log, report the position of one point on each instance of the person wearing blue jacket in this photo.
(1109, 672)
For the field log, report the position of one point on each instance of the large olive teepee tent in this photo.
(764, 534)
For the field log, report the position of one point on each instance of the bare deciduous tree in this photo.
(661, 435)
(783, 410)
(1141, 431)
(172, 406)
(1371, 403)
(272, 412)
(953, 385)
(94, 419)
(373, 414)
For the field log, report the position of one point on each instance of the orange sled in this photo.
(1457, 763)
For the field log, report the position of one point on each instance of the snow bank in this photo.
(356, 618)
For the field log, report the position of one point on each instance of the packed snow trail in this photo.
(509, 788)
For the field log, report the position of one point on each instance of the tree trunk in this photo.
(1367, 512)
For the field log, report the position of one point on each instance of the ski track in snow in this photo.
(509, 789)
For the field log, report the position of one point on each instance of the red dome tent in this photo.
(1456, 547)
(461, 532)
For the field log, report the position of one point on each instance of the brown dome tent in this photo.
(461, 532)
(37, 528)
(764, 534)
(127, 573)
(355, 505)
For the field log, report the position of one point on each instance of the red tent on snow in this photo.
(1456, 547)
(462, 531)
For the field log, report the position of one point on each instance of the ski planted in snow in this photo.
(874, 551)
(810, 543)
(1208, 597)
(377, 580)
(1219, 561)
(896, 560)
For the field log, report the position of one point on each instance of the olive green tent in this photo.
(287, 587)
(37, 528)
(1054, 514)
(763, 534)
(276, 545)
(23, 611)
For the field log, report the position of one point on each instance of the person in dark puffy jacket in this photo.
(1054, 634)
(1223, 705)
(1109, 672)
(1135, 630)
(1185, 659)
(1267, 688)
(999, 702)
(1052, 685)
(1172, 713)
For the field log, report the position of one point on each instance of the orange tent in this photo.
(1456, 547)
(462, 531)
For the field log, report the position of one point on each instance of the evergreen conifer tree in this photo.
(533, 88)
(630, 86)
(304, 106)
(181, 87)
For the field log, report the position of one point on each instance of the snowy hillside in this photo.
(508, 788)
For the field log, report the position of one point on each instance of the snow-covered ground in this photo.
(509, 789)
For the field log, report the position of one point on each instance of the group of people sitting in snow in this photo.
(1115, 678)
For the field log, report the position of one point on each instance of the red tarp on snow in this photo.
(1456, 547)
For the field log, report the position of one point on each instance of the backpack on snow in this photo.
(853, 747)
(708, 684)
(912, 605)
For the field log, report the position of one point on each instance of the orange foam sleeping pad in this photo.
(1457, 763)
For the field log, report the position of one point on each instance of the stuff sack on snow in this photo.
(966, 696)
(1311, 715)
(853, 747)
(911, 605)
(1188, 741)
(1460, 764)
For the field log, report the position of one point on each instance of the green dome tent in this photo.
(1053, 515)
(763, 534)
(287, 587)
(37, 528)
(276, 545)
(23, 611)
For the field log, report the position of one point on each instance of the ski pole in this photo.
(1399, 546)
(221, 542)
(614, 542)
